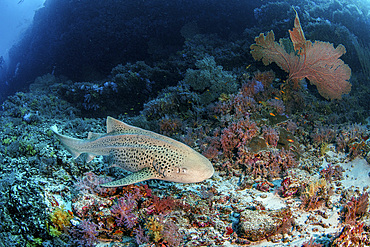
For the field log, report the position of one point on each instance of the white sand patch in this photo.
(356, 174)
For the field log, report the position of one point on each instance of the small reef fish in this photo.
(147, 154)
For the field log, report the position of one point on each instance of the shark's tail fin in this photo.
(70, 143)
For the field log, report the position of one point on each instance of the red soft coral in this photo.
(356, 208)
(318, 62)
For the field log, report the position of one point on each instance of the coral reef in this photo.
(291, 167)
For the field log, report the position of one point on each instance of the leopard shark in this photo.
(146, 154)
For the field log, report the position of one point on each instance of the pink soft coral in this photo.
(318, 62)
(237, 135)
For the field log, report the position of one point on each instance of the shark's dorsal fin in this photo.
(114, 125)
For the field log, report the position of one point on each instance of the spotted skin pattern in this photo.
(147, 154)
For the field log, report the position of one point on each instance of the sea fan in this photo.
(318, 62)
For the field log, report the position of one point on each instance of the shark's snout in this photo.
(198, 168)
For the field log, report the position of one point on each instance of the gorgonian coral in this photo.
(318, 62)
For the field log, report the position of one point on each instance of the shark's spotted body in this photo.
(147, 154)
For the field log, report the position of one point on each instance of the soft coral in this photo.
(355, 208)
(123, 211)
(84, 234)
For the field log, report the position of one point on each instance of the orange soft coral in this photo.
(318, 62)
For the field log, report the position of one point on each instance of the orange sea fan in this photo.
(318, 62)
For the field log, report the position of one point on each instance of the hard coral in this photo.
(60, 219)
(177, 99)
(169, 125)
(240, 103)
(210, 80)
(266, 164)
(271, 135)
(256, 225)
(161, 206)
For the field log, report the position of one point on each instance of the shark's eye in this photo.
(181, 170)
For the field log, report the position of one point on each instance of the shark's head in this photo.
(195, 168)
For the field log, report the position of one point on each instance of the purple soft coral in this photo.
(123, 211)
(84, 234)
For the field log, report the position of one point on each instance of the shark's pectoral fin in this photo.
(75, 154)
(142, 175)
